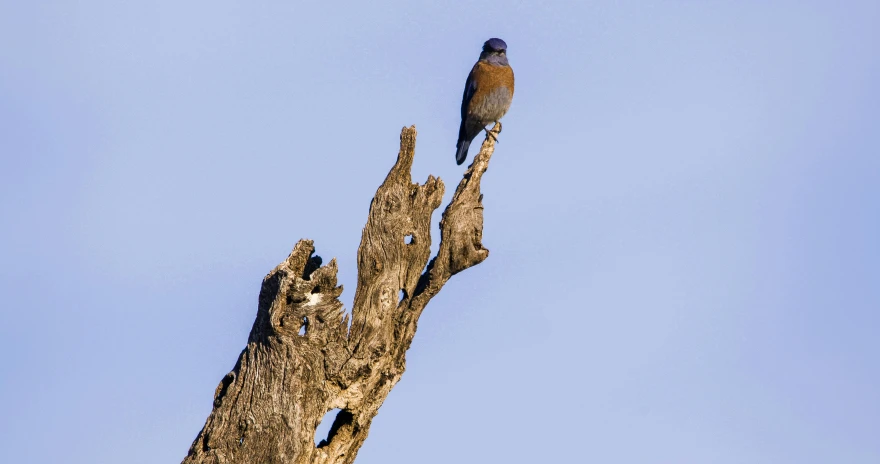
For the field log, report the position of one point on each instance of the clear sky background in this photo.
(683, 215)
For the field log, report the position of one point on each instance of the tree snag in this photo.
(302, 358)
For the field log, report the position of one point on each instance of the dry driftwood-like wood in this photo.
(303, 358)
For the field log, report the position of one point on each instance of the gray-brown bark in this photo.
(302, 359)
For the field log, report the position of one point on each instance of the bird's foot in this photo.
(489, 131)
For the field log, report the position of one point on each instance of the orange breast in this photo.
(493, 93)
(489, 77)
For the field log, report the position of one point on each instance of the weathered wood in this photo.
(302, 358)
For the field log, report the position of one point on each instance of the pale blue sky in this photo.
(683, 216)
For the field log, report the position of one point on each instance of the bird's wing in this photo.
(470, 87)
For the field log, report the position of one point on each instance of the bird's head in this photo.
(495, 51)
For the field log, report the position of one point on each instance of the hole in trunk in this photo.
(330, 425)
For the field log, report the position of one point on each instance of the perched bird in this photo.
(487, 94)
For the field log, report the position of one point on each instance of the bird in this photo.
(488, 92)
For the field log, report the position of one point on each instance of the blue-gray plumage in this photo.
(487, 94)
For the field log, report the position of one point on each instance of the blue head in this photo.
(495, 52)
(497, 45)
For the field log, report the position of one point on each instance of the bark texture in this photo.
(303, 358)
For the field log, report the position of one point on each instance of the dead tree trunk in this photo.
(302, 359)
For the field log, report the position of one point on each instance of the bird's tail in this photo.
(461, 154)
